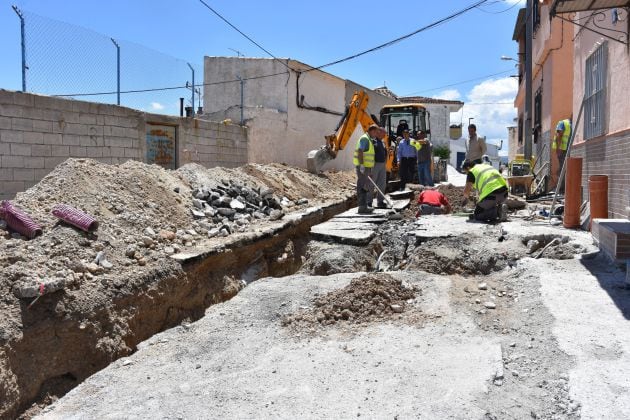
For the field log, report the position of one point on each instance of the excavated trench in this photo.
(57, 351)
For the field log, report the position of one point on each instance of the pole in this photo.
(21, 16)
(117, 71)
(193, 89)
(529, 31)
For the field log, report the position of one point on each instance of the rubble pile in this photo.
(368, 298)
(455, 195)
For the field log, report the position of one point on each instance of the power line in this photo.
(458, 83)
(242, 33)
(500, 11)
(394, 41)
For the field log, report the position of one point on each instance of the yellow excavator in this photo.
(393, 118)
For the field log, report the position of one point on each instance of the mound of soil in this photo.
(455, 195)
(369, 298)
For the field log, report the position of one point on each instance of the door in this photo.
(461, 156)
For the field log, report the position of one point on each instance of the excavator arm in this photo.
(355, 114)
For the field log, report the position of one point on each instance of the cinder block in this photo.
(71, 140)
(12, 187)
(34, 162)
(6, 174)
(78, 151)
(95, 152)
(33, 138)
(12, 161)
(52, 162)
(23, 124)
(111, 120)
(23, 99)
(5, 123)
(117, 142)
(5, 149)
(88, 141)
(41, 173)
(120, 132)
(132, 153)
(80, 106)
(10, 110)
(78, 129)
(11, 136)
(43, 126)
(41, 150)
(87, 119)
(53, 138)
(21, 174)
(20, 149)
(117, 152)
(60, 151)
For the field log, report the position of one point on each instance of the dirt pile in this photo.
(455, 195)
(369, 298)
(118, 286)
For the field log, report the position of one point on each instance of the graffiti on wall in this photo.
(162, 145)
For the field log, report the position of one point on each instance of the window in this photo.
(594, 92)
(520, 131)
(537, 114)
(536, 14)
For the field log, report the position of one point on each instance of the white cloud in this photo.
(157, 106)
(449, 95)
(490, 104)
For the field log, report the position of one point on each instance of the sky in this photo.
(69, 49)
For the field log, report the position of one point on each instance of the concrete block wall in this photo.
(608, 155)
(39, 132)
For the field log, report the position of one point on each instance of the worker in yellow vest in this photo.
(561, 141)
(492, 189)
(364, 162)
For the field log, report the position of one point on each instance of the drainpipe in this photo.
(529, 32)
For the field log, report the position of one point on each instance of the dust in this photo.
(369, 298)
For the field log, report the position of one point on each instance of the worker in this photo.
(402, 125)
(492, 190)
(476, 145)
(425, 155)
(406, 159)
(364, 162)
(379, 172)
(561, 141)
(431, 201)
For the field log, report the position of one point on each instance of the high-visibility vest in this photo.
(368, 155)
(487, 180)
(416, 144)
(565, 136)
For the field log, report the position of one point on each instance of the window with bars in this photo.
(595, 92)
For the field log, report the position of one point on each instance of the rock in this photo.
(94, 268)
(192, 232)
(131, 251)
(3, 225)
(106, 264)
(127, 362)
(199, 204)
(149, 232)
(142, 262)
(176, 189)
(302, 201)
(396, 308)
(276, 215)
(266, 192)
(34, 287)
(226, 211)
(490, 305)
(482, 286)
(346, 314)
(147, 241)
(169, 250)
(210, 212)
(213, 232)
(477, 301)
(198, 214)
(532, 246)
(259, 215)
(512, 344)
(223, 232)
(167, 235)
(237, 205)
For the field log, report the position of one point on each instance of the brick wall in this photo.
(608, 155)
(39, 132)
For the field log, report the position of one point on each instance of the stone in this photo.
(237, 205)
(210, 212)
(147, 241)
(106, 264)
(512, 344)
(213, 232)
(34, 287)
(302, 201)
(192, 232)
(198, 214)
(149, 232)
(167, 235)
(169, 250)
(396, 308)
(276, 215)
(482, 286)
(199, 204)
(259, 215)
(3, 225)
(266, 192)
(226, 211)
(142, 262)
(490, 305)
(223, 232)
(131, 251)
(94, 268)
(532, 246)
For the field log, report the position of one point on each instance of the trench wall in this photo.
(39, 132)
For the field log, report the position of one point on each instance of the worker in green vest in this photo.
(561, 141)
(492, 190)
(364, 162)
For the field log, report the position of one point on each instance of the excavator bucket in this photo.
(316, 159)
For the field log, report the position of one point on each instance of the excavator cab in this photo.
(413, 117)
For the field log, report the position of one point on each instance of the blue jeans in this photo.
(424, 174)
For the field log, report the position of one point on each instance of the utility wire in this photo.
(242, 33)
(500, 11)
(457, 83)
(401, 38)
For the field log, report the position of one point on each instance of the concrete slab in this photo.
(343, 224)
(397, 195)
(445, 226)
(239, 362)
(349, 237)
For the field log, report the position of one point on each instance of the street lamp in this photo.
(506, 58)
(471, 118)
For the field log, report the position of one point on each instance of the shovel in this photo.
(387, 200)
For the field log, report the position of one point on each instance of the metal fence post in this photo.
(21, 16)
(193, 89)
(117, 71)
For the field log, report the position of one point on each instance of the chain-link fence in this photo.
(62, 59)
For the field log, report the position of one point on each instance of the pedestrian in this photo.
(406, 159)
(431, 201)
(379, 172)
(492, 190)
(364, 162)
(476, 145)
(425, 155)
(561, 141)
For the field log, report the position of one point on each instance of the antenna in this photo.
(238, 53)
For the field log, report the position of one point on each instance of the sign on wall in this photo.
(162, 145)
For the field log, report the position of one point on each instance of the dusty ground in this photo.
(498, 335)
(145, 215)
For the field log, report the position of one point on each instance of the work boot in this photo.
(503, 213)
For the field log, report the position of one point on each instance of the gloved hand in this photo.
(362, 169)
(464, 202)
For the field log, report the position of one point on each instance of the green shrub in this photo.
(443, 152)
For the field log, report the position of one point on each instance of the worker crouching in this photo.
(431, 201)
(492, 189)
